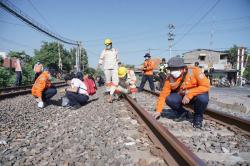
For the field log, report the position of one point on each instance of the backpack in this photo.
(91, 87)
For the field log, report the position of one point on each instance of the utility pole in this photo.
(171, 35)
(59, 59)
(210, 58)
(77, 58)
(240, 64)
(80, 55)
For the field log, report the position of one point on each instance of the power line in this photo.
(11, 23)
(9, 7)
(40, 14)
(14, 42)
(221, 21)
(197, 23)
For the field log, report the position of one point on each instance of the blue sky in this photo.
(133, 25)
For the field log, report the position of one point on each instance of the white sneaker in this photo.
(40, 104)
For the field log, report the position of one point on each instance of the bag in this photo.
(65, 101)
(91, 87)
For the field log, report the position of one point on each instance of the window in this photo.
(202, 58)
(223, 57)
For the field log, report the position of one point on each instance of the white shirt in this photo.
(18, 65)
(75, 82)
(109, 59)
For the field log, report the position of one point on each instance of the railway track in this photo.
(22, 90)
(99, 133)
(178, 143)
(224, 139)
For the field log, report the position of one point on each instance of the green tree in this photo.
(130, 66)
(233, 56)
(27, 70)
(246, 73)
(17, 54)
(48, 54)
(1, 61)
(99, 72)
(5, 78)
(233, 53)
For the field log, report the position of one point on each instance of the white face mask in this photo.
(109, 47)
(175, 74)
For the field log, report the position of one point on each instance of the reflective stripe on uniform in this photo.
(190, 71)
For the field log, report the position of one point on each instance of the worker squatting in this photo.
(179, 85)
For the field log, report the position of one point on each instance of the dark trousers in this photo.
(199, 102)
(76, 98)
(146, 78)
(37, 75)
(18, 81)
(162, 78)
(48, 93)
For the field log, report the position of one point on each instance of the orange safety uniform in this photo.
(41, 83)
(195, 83)
(148, 67)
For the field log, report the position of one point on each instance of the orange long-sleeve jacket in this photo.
(195, 83)
(148, 67)
(41, 83)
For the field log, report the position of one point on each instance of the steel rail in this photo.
(26, 91)
(173, 151)
(221, 117)
(23, 87)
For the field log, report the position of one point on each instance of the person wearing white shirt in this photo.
(18, 70)
(76, 93)
(109, 59)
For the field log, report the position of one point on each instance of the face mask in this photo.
(108, 47)
(175, 74)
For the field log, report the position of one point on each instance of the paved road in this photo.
(233, 96)
(243, 91)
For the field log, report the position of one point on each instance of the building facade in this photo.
(215, 64)
(208, 59)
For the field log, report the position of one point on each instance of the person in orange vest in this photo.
(38, 69)
(42, 89)
(185, 85)
(147, 69)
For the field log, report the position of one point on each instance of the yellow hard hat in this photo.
(107, 41)
(122, 71)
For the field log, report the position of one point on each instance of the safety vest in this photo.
(195, 83)
(163, 68)
(41, 83)
(148, 67)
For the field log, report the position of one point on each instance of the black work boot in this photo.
(181, 117)
(197, 121)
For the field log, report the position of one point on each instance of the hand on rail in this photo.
(157, 115)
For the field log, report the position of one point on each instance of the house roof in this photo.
(204, 50)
